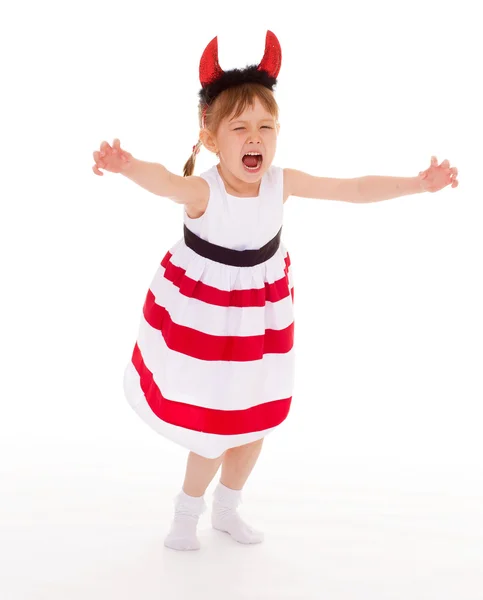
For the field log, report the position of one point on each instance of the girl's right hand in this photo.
(112, 159)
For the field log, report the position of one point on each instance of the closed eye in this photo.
(266, 126)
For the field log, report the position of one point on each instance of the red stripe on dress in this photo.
(208, 420)
(272, 292)
(205, 346)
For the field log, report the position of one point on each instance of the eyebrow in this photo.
(260, 121)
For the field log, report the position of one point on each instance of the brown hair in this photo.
(234, 98)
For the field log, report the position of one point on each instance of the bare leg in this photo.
(237, 465)
(199, 473)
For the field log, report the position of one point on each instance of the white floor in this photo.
(77, 526)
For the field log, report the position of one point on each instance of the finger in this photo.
(116, 145)
(95, 154)
(445, 163)
(96, 170)
(434, 161)
(105, 148)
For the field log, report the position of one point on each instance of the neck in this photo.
(237, 187)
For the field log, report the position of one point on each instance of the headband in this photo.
(214, 80)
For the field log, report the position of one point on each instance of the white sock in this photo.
(225, 517)
(182, 535)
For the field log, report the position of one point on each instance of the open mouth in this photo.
(252, 161)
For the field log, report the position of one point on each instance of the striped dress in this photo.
(213, 364)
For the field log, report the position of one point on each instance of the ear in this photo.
(208, 141)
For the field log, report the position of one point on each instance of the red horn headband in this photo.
(214, 80)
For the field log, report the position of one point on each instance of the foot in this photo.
(182, 535)
(225, 517)
(234, 525)
(182, 538)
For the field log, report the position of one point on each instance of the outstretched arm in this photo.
(374, 188)
(298, 183)
(370, 188)
(153, 177)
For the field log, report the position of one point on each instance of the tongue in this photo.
(250, 161)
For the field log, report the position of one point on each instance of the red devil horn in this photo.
(210, 69)
(272, 58)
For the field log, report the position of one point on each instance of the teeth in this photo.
(252, 154)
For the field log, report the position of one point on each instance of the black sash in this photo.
(228, 256)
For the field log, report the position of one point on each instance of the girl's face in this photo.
(255, 130)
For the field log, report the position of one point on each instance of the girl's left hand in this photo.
(436, 177)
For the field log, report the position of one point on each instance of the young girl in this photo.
(213, 365)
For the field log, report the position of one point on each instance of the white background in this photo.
(374, 485)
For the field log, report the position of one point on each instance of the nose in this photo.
(254, 137)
